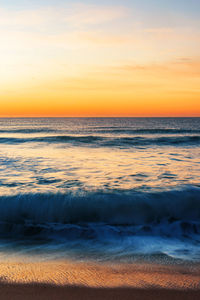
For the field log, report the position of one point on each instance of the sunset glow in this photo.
(114, 58)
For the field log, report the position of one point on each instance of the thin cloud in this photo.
(182, 66)
(71, 15)
(92, 14)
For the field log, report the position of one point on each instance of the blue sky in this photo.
(192, 6)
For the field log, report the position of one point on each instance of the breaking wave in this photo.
(175, 212)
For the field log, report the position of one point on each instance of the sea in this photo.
(100, 189)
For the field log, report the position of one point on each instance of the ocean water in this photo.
(102, 189)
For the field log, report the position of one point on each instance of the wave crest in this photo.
(100, 141)
(113, 207)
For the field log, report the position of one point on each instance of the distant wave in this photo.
(175, 212)
(148, 131)
(27, 130)
(101, 141)
(106, 130)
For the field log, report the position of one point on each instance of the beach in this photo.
(70, 280)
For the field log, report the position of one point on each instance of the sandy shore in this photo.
(67, 280)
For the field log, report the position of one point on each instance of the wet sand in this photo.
(43, 292)
(67, 280)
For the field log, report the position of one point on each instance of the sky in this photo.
(99, 58)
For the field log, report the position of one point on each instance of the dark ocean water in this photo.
(106, 189)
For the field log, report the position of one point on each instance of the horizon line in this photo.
(78, 117)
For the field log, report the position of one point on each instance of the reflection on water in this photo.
(100, 188)
(53, 168)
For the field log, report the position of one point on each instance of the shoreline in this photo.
(101, 275)
(86, 281)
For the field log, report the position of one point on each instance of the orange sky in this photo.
(79, 59)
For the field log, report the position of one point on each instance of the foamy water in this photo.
(116, 189)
